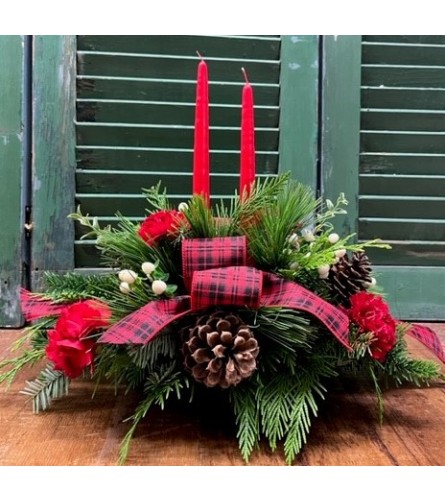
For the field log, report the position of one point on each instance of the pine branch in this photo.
(246, 413)
(159, 386)
(282, 334)
(286, 403)
(378, 393)
(269, 231)
(304, 406)
(26, 358)
(72, 286)
(162, 347)
(49, 385)
(156, 198)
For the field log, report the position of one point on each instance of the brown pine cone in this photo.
(349, 276)
(220, 350)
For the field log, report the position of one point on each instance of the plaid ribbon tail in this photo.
(34, 307)
(428, 338)
(281, 293)
(142, 326)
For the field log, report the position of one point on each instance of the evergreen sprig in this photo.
(159, 386)
(49, 385)
(245, 408)
(73, 286)
(269, 231)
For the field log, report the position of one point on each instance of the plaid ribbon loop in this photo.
(238, 286)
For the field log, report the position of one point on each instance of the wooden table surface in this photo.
(79, 430)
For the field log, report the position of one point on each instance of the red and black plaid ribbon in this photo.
(428, 338)
(199, 254)
(34, 307)
(217, 273)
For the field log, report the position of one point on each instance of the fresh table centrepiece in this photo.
(257, 301)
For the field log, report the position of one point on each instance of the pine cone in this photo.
(349, 276)
(220, 350)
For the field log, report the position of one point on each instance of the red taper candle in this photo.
(247, 166)
(201, 154)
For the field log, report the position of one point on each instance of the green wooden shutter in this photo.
(11, 152)
(135, 114)
(402, 168)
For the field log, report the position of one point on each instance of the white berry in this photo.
(159, 287)
(324, 269)
(370, 284)
(293, 238)
(341, 252)
(323, 276)
(148, 268)
(294, 266)
(308, 235)
(333, 238)
(127, 276)
(182, 206)
(124, 287)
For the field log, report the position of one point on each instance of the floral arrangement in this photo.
(258, 301)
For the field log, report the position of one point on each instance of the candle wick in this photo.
(200, 55)
(245, 75)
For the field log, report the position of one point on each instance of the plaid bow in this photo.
(216, 274)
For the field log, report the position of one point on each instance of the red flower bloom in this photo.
(67, 347)
(68, 355)
(372, 314)
(160, 224)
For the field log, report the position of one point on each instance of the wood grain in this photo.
(79, 430)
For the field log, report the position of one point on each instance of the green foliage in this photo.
(230, 221)
(161, 348)
(280, 407)
(269, 232)
(72, 286)
(245, 408)
(50, 384)
(401, 368)
(159, 386)
(282, 335)
(157, 198)
(32, 345)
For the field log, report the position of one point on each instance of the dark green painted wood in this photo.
(403, 54)
(410, 254)
(299, 107)
(208, 46)
(388, 98)
(53, 154)
(411, 207)
(341, 124)
(11, 240)
(162, 113)
(403, 142)
(403, 76)
(429, 39)
(116, 182)
(101, 134)
(171, 160)
(417, 292)
(402, 120)
(403, 230)
(152, 66)
(419, 164)
(415, 185)
(171, 91)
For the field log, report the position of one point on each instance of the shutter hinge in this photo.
(28, 226)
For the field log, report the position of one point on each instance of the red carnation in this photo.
(159, 224)
(67, 347)
(372, 314)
